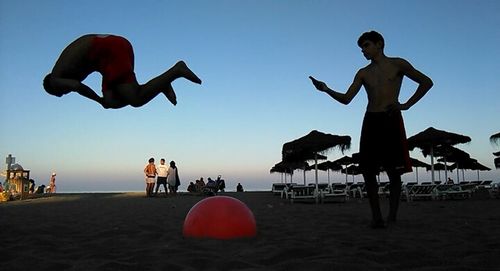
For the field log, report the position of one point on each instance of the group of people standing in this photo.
(161, 175)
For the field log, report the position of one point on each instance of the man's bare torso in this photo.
(382, 82)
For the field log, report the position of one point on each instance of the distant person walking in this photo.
(113, 57)
(383, 140)
(173, 178)
(162, 170)
(150, 172)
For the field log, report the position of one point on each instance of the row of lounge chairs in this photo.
(325, 192)
(341, 192)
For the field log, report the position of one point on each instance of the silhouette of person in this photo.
(239, 188)
(383, 137)
(173, 178)
(113, 57)
(150, 172)
(162, 170)
(52, 183)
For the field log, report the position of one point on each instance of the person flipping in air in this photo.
(383, 142)
(113, 57)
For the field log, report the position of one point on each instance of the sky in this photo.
(254, 58)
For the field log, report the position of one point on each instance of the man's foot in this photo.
(391, 219)
(170, 94)
(185, 72)
(377, 224)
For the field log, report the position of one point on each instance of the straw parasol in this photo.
(288, 167)
(431, 138)
(471, 164)
(352, 170)
(327, 166)
(495, 139)
(417, 163)
(314, 143)
(345, 161)
(450, 154)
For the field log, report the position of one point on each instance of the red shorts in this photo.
(383, 143)
(113, 57)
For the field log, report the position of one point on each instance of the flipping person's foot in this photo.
(170, 94)
(185, 72)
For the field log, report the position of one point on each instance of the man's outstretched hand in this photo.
(321, 86)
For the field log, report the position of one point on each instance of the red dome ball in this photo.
(219, 217)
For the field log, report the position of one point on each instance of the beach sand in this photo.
(127, 231)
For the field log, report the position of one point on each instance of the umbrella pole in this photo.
(445, 171)
(463, 175)
(416, 172)
(316, 169)
(432, 164)
(478, 174)
(304, 176)
(328, 171)
(345, 173)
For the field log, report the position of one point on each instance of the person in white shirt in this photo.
(162, 170)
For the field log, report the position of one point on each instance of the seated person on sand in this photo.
(113, 57)
(191, 188)
(221, 184)
(239, 188)
(200, 184)
(211, 184)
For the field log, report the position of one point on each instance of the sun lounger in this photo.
(495, 190)
(277, 188)
(337, 192)
(357, 190)
(419, 191)
(451, 191)
(303, 193)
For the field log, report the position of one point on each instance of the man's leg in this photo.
(138, 95)
(372, 191)
(395, 193)
(162, 83)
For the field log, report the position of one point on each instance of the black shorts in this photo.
(383, 143)
(161, 180)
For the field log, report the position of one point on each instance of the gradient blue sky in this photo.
(254, 58)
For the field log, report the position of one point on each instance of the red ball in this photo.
(220, 217)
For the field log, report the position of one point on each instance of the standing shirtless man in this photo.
(383, 142)
(113, 57)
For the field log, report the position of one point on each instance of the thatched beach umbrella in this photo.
(450, 154)
(327, 166)
(345, 161)
(314, 143)
(288, 167)
(471, 164)
(430, 138)
(417, 163)
(352, 170)
(438, 167)
(495, 139)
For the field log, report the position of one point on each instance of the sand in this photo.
(127, 231)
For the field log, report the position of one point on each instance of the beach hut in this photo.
(18, 181)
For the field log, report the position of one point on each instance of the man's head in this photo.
(372, 36)
(371, 44)
(47, 85)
